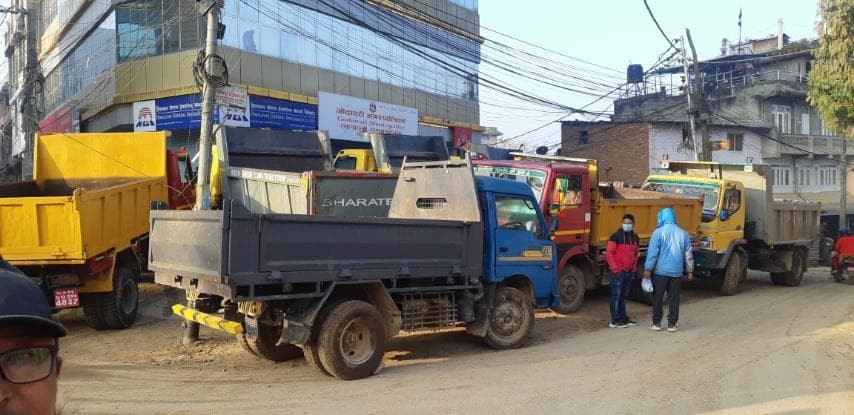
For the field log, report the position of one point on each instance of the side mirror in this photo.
(554, 209)
(553, 226)
(724, 214)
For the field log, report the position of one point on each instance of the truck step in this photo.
(214, 322)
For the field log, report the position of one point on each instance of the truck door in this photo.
(731, 214)
(570, 204)
(522, 245)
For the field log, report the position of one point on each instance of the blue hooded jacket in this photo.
(669, 253)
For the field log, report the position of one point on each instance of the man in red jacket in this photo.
(843, 248)
(622, 257)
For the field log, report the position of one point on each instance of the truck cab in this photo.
(518, 244)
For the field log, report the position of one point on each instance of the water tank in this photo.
(634, 74)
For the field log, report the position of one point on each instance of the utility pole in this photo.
(210, 69)
(843, 194)
(691, 111)
(700, 104)
(25, 75)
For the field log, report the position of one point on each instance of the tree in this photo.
(831, 86)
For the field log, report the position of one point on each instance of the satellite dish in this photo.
(542, 150)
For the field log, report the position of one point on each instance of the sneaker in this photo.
(631, 322)
(618, 325)
(655, 327)
(674, 328)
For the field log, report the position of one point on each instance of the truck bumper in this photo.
(707, 262)
(214, 322)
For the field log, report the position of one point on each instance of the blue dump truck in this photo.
(455, 250)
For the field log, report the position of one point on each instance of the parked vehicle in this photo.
(568, 191)
(743, 227)
(388, 151)
(80, 227)
(454, 250)
(845, 271)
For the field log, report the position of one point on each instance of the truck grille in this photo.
(428, 311)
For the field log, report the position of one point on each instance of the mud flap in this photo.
(483, 307)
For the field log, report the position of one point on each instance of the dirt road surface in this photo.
(767, 350)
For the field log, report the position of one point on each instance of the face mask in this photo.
(627, 227)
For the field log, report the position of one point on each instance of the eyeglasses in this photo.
(27, 365)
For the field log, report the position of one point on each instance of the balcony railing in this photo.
(811, 144)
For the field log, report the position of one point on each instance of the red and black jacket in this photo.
(622, 252)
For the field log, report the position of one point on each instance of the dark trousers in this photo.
(620, 282)
(660, 285)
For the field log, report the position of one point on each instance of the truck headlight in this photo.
(706, 242)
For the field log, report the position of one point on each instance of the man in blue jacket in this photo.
(668, 258)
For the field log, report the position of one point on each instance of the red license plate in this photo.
(66, 298)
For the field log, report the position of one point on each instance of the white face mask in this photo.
(627, 227)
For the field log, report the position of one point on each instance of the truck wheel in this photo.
(309, 349)
(732, 275)
(265, 345)
(571, 288)
(510, 320)
(794, 277)
(93, 311)
(119, 306)
(352, 340)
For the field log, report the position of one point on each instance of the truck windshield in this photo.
(709, 191)
(536, 179)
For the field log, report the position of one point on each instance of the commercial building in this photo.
(122, 65)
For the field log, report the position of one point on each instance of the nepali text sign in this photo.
(185, 112)
(348, 117)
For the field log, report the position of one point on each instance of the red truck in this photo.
(569, 191)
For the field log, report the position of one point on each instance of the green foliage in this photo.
(831, 87)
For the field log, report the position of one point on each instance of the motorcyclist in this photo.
(844, 247)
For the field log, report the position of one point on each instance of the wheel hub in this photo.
(127, 297)
(357, 344)
(568, 289)
(507, 319)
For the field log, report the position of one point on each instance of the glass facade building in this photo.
(437, 55)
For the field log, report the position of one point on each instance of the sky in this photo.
(613, 34)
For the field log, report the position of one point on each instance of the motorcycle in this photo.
(845, 271)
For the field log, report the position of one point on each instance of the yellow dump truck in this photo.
(80, 227)
(742, 225)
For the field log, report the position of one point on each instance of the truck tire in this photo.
(732, 275)
(571, 288)
(309, 349)
(510, 320)
(93, 311)
(119, 306)
(793, 277)
(351, 341)
(265, 345)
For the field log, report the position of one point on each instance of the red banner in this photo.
(462, 136)
(59, 121)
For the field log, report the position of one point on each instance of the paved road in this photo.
(768, 350)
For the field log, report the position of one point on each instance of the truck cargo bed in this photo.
(236, 254)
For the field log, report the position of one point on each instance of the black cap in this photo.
(22, 301)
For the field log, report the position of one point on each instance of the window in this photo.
(782, 116)
(734, 142)
(827, 176)
(515, 213)
(804, 177)
(567, 191)
(583, 137)
(781, 176)
(732, 201)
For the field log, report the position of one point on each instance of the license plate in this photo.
(66, 298)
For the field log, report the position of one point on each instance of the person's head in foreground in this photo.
(29, 340)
